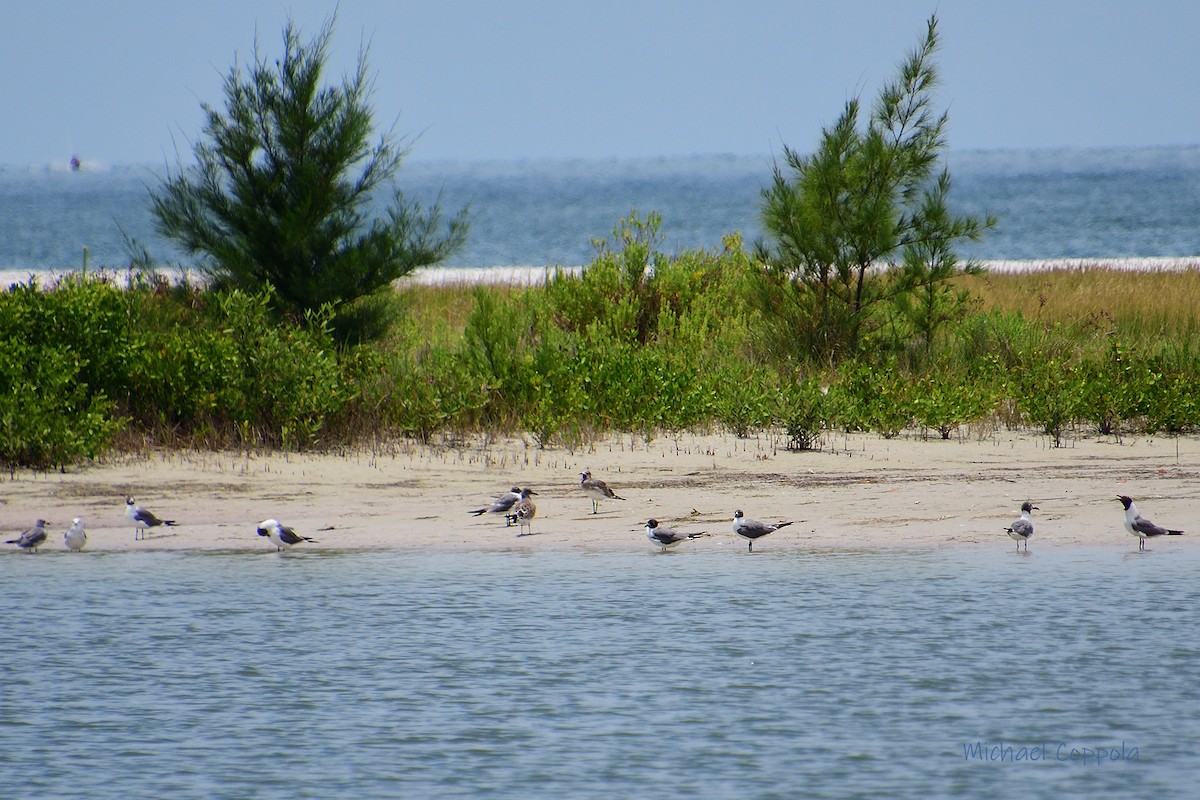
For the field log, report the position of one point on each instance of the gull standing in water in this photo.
(75, 537)
(525, 511)
(281, 536)
(143, 519)
(503, 505)
(596, 489)
(1022, 528)
(667, 537)
(751, 529)
(1141, 527)
(30, 540)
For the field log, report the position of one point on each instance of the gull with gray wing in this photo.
(33, 538)
(667, 537)
(503, 505)
(751, 529)
(596, 490)
(143, 519)
(281, 536)
(1141, 527)
(1022, 528)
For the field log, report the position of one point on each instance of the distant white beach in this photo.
(536, 275)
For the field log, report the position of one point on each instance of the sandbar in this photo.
(859, 491)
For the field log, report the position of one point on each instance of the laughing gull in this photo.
(751, 529)
(525, 511)
(75, 537)
(596, 489)
(32, 539)
(503, 505)
(1141, 527)
(667, 537)
(281, 536)
(1022, 528)
(143, 519)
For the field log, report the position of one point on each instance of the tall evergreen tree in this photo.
(863, 222)
(283, 184)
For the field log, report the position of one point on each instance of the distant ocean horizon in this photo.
(1127, 207)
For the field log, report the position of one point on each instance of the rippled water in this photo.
(1050, 204)
(568, 674)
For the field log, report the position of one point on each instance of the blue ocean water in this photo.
(1051, 204)
(956, 672)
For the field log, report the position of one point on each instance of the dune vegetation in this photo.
(638, 343)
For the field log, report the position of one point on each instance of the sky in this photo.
(121, 82)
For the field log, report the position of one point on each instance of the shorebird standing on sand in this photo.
(1022, 528)
(525, 511)
(596, 489)
(667, 537)
(1141, 527)
(143, 519)
(75, 537)
(281, 536)
(31, 539)
(503, 505)
(751, 529)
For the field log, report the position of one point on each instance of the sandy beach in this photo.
(860, 491)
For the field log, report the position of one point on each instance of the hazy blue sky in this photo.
(122, 81)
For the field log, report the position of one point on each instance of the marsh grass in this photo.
(1142, 307)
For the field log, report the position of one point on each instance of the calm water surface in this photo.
(565, 674)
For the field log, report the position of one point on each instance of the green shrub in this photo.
(944, 398)
(873, 398)
(1052, 394)
(61, 351)
(1172, 404)
(48, 418)
(494, 351)
(1114, 389)
(803, 411)
(432, 393)
(746, 397)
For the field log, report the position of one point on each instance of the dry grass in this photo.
(1143, 303)
(1139, 303)
(439, 313)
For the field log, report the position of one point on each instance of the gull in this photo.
(281, 536)
(751, 529)
(75, 537)
(1022, 528)
(525, 511)
(1141, 527)
(596, 489)
(667, 537)
(143, 519)
(32, 539)
(503, 505)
